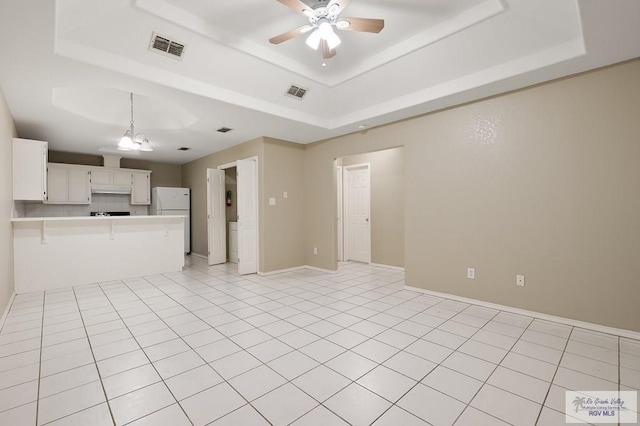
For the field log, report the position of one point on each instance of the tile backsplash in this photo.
(99, 203)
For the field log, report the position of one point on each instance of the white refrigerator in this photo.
(173, 201)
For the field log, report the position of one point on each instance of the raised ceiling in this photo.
(70, 65)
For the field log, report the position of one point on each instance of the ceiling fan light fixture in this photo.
(325, 30)
(333, 40)
(313, 41)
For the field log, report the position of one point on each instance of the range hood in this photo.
(110, 189)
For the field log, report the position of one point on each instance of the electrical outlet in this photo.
(520, 280)
(471, 273)
(315, 250)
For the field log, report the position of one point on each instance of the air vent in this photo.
(165, 45)
(224, 129)
(183, 148)
(296, 92)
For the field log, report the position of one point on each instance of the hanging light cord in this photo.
(132, 129)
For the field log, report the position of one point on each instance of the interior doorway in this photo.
(233, 233)
(371, 186)
(356, 191)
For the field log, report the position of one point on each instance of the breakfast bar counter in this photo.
(71, 251)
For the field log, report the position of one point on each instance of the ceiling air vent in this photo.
(224, 130)
(165, 45)
(183, 148)
(296, 92)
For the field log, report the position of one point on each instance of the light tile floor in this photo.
(206, 346)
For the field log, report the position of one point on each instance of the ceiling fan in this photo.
(323, 17)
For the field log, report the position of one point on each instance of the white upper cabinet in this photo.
(141, 189)
(68, 184)
(29, 170)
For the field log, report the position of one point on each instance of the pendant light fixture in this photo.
(132, 141)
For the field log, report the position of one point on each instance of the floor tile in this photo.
(321, 383)
(120, 363)
(474, 417)
(431, 406)
(519, 384)
(166, 349)
(542, 353)
(250, 338)
(98, 415)
(483, 351)
(202, 338)
(429, 351)
(18, 395)
(530, 366)
(322, 350)
(357, 405)
(410, 365)
(257, 382)
(19, 375)
(351, 365)
(298, 338)
(396, 416)
(68, 402)
(244, 416)
(506, 406)
(575, 380)
(284, 405)
(235, 364)
(395, 338)
(320, 416)
(139, 403)
(376, 351)
(216, 350)
(593, 367)
(130, 380)
(176, 364)
(457, 385)
(69, 379)
(23, 415)
(293, 364)
(169, 416)
(323, 328)
(386, 383)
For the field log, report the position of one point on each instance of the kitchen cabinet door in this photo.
(100, 176)
(141, 189)
(79, 186)
(29, 170)
(58, 184)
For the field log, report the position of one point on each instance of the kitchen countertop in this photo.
(76, 218)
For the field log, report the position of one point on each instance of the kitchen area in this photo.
(84, 223)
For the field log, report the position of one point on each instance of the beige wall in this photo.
(7, 132)
(162, 174)
(542, 182)
(284, 224)
(387, 203)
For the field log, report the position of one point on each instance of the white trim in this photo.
(296, 268)
(200, 256)
(6, 309)
(562, 320)
(381, 265)
(226, 166)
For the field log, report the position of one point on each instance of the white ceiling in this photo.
(68, 66)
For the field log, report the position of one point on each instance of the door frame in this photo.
(257, 199)
(345, 208)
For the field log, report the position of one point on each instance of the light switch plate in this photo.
(520, 280)
(272, 201)
(471, 273)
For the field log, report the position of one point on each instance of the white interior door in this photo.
(216, 212)
(357, 213)
(247, 217)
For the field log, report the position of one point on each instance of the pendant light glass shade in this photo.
(313, 41)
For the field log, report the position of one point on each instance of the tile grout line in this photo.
(44, 295)
(95, 363)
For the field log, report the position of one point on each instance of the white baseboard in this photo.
(381, 265)
(199, 256)
(562, 320)
(6, 309)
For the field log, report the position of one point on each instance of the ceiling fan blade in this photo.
(289, 34)
(297, 5)
(362, 24)
(341, 4)
(326, 52)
